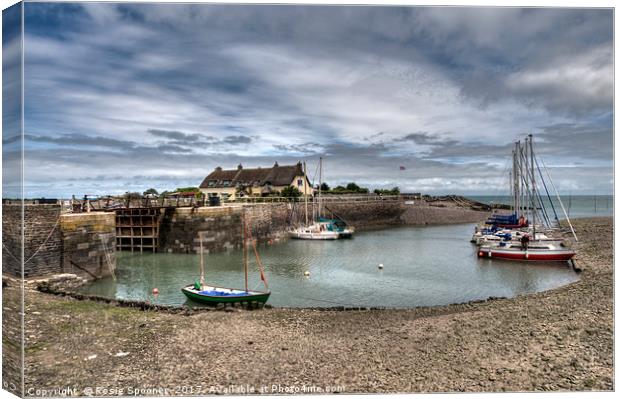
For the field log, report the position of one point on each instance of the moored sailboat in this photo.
(211, 294)
(512, 238)
(322, 228)
(535, 252)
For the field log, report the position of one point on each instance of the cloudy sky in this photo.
(123, 97)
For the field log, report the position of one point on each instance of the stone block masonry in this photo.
(83, 244)
(219, 227)
(89, 243)
(11, 240)
(42, 239)
(390, 213)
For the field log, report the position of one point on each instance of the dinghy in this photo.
(213, 294)
(210, 294)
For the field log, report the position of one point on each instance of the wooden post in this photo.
(306, 193)
(245, 252)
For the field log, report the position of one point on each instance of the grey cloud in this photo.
(425, 139)
(237, 140)
(203, 85)
(178, 136)
(73, 139)
(307, 148)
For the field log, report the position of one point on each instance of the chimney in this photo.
(218, 169)
(239, 167)
(275, 165)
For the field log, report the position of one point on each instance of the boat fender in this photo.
(527, 255)
(155, 291)
(306, 273)
(380, 266)
(481, 254)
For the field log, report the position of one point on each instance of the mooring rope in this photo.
(9, 252)
(38, 249)
(107, 257)
(258, 261)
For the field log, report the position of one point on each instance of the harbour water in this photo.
(422, 266)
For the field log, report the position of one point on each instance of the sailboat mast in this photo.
(202, 264)
(306, 192)
(245, 248)
(515, 181)
(525, 178)
(320, 183)
(533, 188)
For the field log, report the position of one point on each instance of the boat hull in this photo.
(314, 236)
(235, 296)
(481, 241)
(559, 255)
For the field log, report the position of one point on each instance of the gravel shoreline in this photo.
(555, 340)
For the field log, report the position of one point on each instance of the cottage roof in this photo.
(275, 176)
(283, 175)
(252, 176)
(220, 174)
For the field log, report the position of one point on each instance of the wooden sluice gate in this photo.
(137, 229)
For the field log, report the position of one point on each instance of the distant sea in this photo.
(577, 206)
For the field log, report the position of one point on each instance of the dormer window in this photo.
(227, 183)
(211, 183)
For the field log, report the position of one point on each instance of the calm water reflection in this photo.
(422, 266)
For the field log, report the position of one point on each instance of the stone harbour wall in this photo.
(219, 227)
(11, 240)
(366, 215)
(428, 215)
(42, 239)
(84, 244)
(89, 244)
(181, 229)
(390, 213)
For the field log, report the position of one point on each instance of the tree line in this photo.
(289, 191)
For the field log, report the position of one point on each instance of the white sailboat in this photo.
(516, 238)
(319, 230)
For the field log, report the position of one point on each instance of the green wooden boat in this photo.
(211, 294)
(215, 295)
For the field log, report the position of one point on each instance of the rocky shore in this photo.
(556, 340)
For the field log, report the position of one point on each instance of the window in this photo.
(300, 182)
(211, 183)
(227, 183)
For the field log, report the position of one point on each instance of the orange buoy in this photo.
(155, 291)
(481, 254)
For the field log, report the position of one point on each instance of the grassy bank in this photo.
(555, 340)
